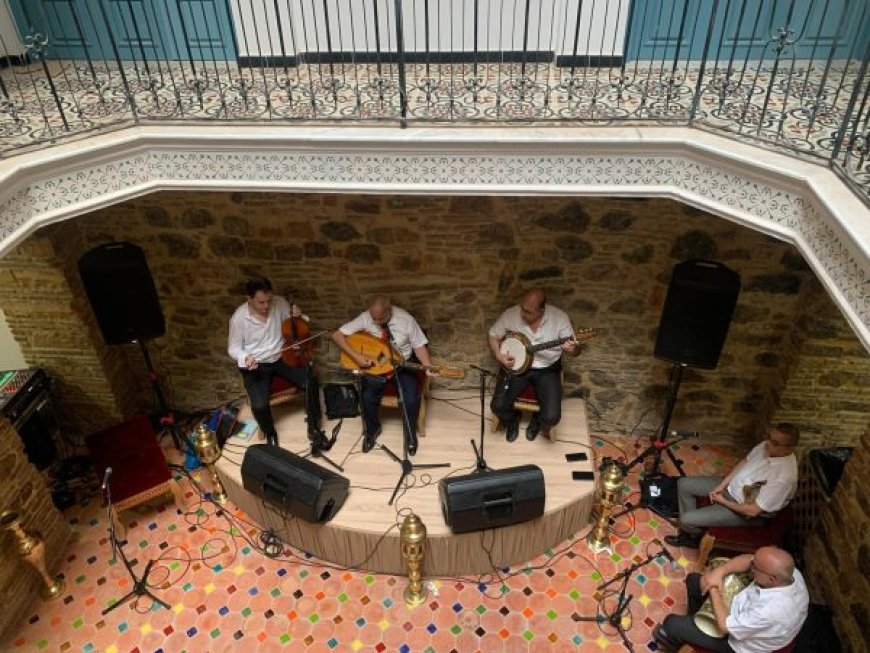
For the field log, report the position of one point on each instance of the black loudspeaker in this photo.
(697, 313)
(490, 499)
(292, 483)
(122, 293)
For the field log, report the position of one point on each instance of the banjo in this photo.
(518, 347)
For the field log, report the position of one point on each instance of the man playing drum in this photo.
(765, 616)
(536, 322)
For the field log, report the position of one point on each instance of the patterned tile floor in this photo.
(226, 595)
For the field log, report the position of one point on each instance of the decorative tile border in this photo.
(774, 195)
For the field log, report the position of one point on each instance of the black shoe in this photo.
(369, 441)
(683, 539)
(412, 444)
(533, 428)
(513, 430)
(272, 440)
(664, 642)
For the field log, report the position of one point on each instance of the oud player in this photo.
(397, 328)
(539, 323)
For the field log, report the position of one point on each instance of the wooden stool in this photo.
(139, 468)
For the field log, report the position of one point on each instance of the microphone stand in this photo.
(481, 465)
(404, 461)
(140, 585)
(622, 601)
(316, 436)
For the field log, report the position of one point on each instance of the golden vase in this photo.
(31, 549)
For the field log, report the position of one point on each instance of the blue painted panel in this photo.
(140, 29)
(662, 30)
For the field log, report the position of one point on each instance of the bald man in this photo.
(539, 322)
(765, 616)
(398, 327)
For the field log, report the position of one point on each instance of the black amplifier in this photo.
(25, 400)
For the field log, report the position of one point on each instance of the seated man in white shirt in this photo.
(255, 344)
(756, 489)
(765, 616)
(397, 327)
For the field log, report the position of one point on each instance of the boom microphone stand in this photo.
(481, 465)
(623, 601)
(316, 436)
(140, 585)
(404, 461)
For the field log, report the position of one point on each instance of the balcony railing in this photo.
(785, 74)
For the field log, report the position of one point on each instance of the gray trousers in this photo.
(693, 519)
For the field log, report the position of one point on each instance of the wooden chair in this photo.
(140, 472)
(527, 402)
(743, 539)
(391, 400)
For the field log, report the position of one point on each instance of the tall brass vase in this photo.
(31, 548)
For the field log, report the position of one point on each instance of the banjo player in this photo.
(531, 322)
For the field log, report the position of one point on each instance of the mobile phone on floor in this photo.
(574, 457)
(583, 476)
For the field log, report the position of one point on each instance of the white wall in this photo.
(352, 26)
(11, 357)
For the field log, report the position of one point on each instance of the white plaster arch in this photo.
(794, 200)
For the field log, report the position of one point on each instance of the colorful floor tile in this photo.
(225, 594)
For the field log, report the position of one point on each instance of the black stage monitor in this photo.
(491, 499)
(294, 484)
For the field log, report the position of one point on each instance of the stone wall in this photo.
(838, 553)
(24, 490)
(455, 262)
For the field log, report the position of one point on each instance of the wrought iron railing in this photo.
(782, 73)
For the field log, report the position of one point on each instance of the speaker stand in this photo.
(407, 466)
(167, 419)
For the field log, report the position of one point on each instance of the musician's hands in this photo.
(295, 311)
(431, 372)
(250, 363)
(506, 360)
(716, 497)
(363, 362)
(569, 346)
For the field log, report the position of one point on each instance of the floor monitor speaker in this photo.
(122, 293)
(483, 500)
(293, 484)
(698, 308)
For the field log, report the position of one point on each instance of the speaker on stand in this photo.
(122, 294)
(700, 303)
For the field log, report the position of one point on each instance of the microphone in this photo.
(683, 433)
(480, 369)
(106, 477)
(667, 554)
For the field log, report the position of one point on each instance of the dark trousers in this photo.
(373, 388)
(681, 629)
(258, 383)
(547, 382)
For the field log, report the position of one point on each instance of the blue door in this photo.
(753, 29)
(137, 29)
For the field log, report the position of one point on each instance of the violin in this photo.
(296, 329)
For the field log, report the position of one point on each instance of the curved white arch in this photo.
(794, 200)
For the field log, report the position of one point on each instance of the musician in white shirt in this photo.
(539, 322)
(765, 616)
(255, 343)
(398, 327)
(756, 489)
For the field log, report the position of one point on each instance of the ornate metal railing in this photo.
(787, 74)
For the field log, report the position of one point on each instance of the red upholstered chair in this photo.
(743, 539)
(527, 402)
(139, 468)
(391, 400)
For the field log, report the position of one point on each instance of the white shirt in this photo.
(766, 619)
(407, 334)
(555, 323)
(251, 337)
(779, 477)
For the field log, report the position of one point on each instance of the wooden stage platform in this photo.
(365, 532)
